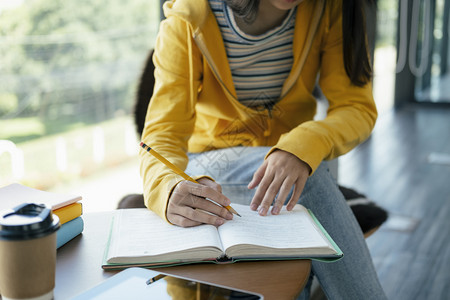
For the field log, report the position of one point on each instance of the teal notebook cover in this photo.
(68, 231)
(339, 253)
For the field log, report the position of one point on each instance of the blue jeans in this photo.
(352, 277)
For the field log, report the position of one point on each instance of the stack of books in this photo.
(67, 207)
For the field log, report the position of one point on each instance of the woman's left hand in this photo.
(277, 175)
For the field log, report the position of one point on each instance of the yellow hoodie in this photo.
(194, 107)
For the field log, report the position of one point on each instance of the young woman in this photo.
(233, 106)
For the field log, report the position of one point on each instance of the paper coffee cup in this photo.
(28, 252)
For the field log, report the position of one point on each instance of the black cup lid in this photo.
(27, 221)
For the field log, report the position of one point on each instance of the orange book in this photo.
(68, 212)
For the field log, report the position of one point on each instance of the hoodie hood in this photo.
(196, 13)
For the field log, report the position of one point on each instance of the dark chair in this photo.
(367, 213)
(143, 95)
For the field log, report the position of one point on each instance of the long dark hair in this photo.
(356, 55)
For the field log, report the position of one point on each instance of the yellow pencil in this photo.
(178, 170)
(154, 279)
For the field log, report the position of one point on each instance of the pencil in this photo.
(178, 171)
(156, 278)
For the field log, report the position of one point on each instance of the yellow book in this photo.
(68, 212)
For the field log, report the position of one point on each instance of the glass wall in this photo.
(429, 45)
(423, 51)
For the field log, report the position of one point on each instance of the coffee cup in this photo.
(28, 252)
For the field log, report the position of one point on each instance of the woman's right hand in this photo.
(189, 205)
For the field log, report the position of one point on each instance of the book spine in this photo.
(69, 212)
(68, 231)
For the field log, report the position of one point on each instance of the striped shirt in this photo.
(259, 64)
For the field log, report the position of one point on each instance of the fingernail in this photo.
(229, 216)
(276, 210)
(219, 222)
(253, 206)
(262, 211)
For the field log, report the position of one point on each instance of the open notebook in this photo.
(141, 238)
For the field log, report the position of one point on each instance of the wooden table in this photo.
(78, 267)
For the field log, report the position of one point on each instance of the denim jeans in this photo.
(352, 277)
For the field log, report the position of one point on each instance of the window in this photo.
(385, 54)
(68, 74)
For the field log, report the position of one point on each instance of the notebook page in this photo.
(141, 232)
(294, 229)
